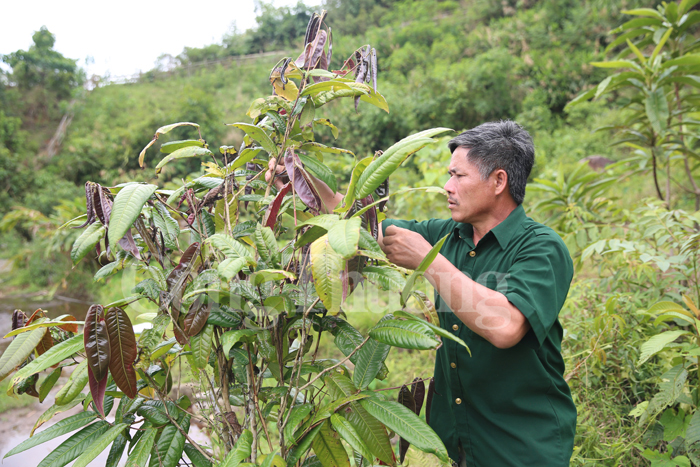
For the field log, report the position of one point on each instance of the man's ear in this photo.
(500, 179)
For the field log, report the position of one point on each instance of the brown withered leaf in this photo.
(270, 218)
(196, 317)
(89, 188)
(18, 319)
(303, 186)
(97, 390)
(45, 343)
(122, 343)
(405, 399)
(69, 327)
(429, 399)
(96, 339)
(418, 392)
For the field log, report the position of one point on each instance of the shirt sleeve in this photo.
(431, 230)
(538, 281)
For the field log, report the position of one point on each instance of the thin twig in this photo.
(334, 366)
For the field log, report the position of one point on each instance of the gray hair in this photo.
(500, 145)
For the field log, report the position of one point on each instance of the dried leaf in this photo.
(301, 181)
(122, 342)
(97, 346)
(270, 218)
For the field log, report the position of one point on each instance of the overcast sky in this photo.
(126, 36)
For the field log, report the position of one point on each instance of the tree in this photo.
(660, 60)
(243, 297)
(42, 66)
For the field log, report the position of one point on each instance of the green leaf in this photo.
(67, 425)
(584, 96)
(99, 445)
(330, 85)
(230, 338)
(405, 334)
(183, 153)
(685, 60)
(117, 450)
(267, 275)
(87, 241)
(299, 413)
(230, 267)
(645, 12)
(109, 270)
(40, 323)
(326, 266)
(229, 246)
(172, 443)
(76, 383)
(407, 425)
(348, 433)
(49, 383)
(266, 243)
(683, 8)
(692, 434)
(49, 358)
(657, 343)
(617, 64)
(139, 454)
(55, 409)
(75, 445)
(201, 346)
(357, 171)
(167, 148)
(325, 221)
(344, 236)
(241, 450)
(126, 208)
(196, 457)
(385, 277)
(259, 135)
(302, 446)
(660, 45)
(166, 224)
(321, 171)
(382, 167)
(657, 110)
(436, 329)
(422, 267)
(19, 349)
(328, 448)
(370, 430)
(369, 361)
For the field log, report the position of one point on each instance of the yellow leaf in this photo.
(689, 303)
(288, 91)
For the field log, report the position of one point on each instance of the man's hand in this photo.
(404, 247)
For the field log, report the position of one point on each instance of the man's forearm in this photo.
(485, 311)
(329, 198)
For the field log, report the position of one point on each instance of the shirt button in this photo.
(453, 365)
(472, 253)
(455, 327)
(458, 401)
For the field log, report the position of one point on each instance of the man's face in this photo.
(470, 198)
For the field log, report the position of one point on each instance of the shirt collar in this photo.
(503, 232)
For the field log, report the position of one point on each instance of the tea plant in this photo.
(246, 279)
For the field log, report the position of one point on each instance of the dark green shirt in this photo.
(507, 407)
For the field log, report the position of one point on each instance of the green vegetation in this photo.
(631, 341)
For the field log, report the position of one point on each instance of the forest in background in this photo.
(442, 63)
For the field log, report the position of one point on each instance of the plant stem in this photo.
(334, 366)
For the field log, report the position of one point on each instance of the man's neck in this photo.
(494, 217)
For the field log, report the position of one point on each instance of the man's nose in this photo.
(448, 186)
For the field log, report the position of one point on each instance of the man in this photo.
(501, 280)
